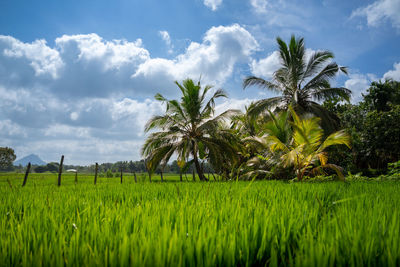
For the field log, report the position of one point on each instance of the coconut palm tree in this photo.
(301, 81)
(305, 150)
(189, 129)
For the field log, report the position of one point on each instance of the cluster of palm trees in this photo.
(277, 137)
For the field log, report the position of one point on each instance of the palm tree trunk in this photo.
(197, 164)
(199, 170)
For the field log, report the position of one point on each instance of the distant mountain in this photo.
(32, 158)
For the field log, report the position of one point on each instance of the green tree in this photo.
(301, 81)
(380, 95)
(303, 147)
(374, 127)
(7, 157)
(189, 129)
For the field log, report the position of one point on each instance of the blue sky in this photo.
(78, 77)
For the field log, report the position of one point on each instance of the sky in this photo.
(78, 78)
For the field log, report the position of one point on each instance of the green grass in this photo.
(203, 224)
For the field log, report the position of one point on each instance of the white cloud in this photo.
(393, 74)
(112, 54)
(265, 67)
(212, 4)
(380, 11)
(77, 128)
(43, 59)
(232, 103)
(358, 84)
(9, 129)
(89, 98)
(167, 39)
(213, 59)
(259, 6)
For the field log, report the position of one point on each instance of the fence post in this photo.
(26, 174)
(134, 175)
(60, 170)
(121, 175)
(76, 177)
(95, 173)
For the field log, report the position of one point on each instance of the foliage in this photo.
(381, 95)
(109, 174)
(302, 80)
(374, 125)
(302, 147)
(191, 224)
(189, 129)
(7, 157)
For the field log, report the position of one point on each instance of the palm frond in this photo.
(260, 82)
(326, 93)
(262, 105)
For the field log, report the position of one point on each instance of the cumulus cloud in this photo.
(89, 98)
(213, 59)
(73, 125)
(265, 67)
(359, 83)
(393, 74)
(380, 11)
(212, 4)
(43, 59)
(81, 66)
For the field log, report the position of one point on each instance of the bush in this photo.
(109, 174)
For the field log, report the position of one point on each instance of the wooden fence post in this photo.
(26, 174)
(60, 170)
(121, 175)
(95, 173)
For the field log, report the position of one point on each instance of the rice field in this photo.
(197, 224)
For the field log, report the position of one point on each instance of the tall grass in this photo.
(204, 224)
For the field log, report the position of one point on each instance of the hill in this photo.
(32, 158)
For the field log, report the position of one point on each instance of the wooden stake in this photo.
(60, 170)
(134, 175)
(95, 173)
(121, 175)
(26, 174)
